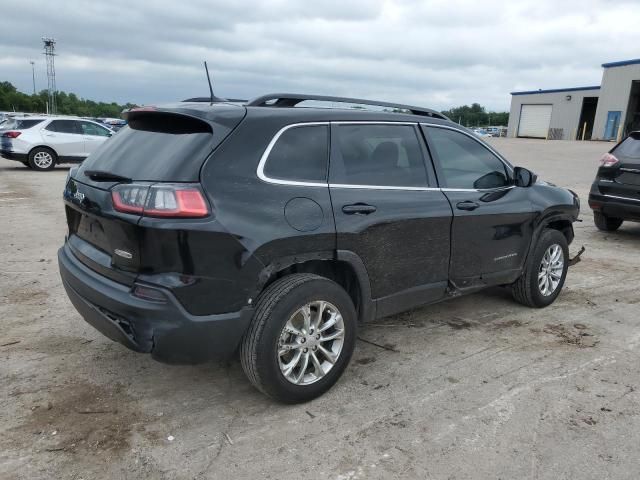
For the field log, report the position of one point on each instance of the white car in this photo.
(42, 142)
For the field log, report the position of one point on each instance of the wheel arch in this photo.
(562, 222)
(47, 147)
(342, 266)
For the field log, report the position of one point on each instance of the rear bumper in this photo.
(165, 330)
(11, 155)
(614, 206)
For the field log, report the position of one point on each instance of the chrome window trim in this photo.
(263, 160)
(621, 198)
(479, 190)
(383, 187)
(265, 156)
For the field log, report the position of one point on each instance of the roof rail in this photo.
(292, 99)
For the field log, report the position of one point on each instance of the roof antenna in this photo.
(209, 80)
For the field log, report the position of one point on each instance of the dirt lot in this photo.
(475, 388)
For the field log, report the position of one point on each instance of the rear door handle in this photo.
(358, 209)
(467, 205)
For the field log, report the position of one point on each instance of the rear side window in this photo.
(378, 155)
(629, 148)
(465, 163)
(156, 146)
(64, 126)
(300, 154)
(23, 124)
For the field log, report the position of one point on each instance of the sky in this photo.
(433, 53)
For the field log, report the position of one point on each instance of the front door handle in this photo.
(358, 209)
(467, 205)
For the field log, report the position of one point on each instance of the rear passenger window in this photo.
(64, 126)
(300, 154)
(24, 124)
(378, 155)
(465, 163)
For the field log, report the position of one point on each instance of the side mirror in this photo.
(523, 177)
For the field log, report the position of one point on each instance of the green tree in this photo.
(68, 103)
(475, 115)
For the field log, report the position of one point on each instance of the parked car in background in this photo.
(114, 123)
(615, 192)
(42, 142)
(203, 229)
(481, 132)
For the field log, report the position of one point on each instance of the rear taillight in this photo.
(11, 134)
(179, 201)
(608, 160)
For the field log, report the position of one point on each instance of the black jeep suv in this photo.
(615, 192)
(273, 229)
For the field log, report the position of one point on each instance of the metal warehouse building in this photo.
(604, 112)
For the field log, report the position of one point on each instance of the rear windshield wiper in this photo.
(102, 176)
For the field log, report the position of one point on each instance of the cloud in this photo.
(435, 53)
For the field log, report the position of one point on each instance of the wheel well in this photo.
(563, 226)
(55, 154)
(340, 272)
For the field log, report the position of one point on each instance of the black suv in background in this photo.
(615, 192)
(273, 229)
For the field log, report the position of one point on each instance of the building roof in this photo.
(557, 90)
(621, 63)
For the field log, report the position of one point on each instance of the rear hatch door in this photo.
(159, 145)
(623, 179)
(628, 153)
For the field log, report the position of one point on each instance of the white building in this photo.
(602, 112)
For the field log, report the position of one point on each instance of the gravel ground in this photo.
(479, 387)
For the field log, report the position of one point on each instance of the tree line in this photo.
(477, 116)
(11, 100)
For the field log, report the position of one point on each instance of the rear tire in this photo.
(42, 159)
(606, 224)
(278, 337)
(26, 163)
(544, 274)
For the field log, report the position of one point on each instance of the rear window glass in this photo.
(300, 154)
(21, 124)
(629, 148)
(155, 147)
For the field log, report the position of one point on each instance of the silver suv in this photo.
(42, 142)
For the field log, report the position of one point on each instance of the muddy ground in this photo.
(478, 387)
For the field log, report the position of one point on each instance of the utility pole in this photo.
(50, 53)
(33, 74)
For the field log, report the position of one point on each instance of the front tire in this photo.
(606, 224)
(301, 338)
(545, 271)
(42, 159)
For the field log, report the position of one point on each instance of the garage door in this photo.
(534, 121)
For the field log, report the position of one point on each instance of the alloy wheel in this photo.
(311, 342)
(550, 271)
(43, 159)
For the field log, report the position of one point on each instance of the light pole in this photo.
(33, 74)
